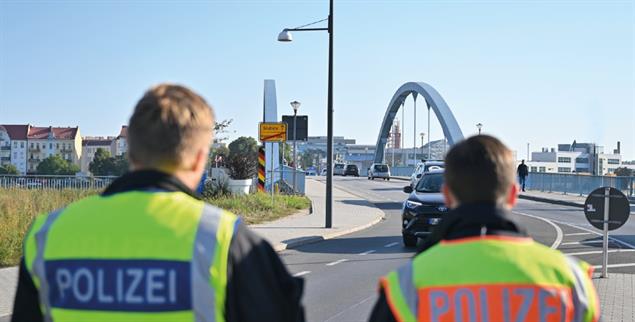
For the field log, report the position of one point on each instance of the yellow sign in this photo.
(273, 132)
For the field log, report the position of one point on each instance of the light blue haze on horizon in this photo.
(538, 72)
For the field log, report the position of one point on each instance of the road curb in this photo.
(552, 201)
(301, 241)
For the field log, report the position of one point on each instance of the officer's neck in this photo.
(190, 178)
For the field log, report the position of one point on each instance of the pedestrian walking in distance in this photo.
(522, 172)
(479, 264)
(147, 248)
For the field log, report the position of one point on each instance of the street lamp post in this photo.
(296, 106)
(479, 126)
(285, 36)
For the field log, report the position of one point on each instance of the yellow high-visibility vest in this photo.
(492, 278)
(131, 256)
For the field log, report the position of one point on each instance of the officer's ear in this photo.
(448, 197)
(512, 196)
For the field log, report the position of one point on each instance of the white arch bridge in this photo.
(433, 99)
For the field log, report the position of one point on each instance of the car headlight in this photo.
(412, 204)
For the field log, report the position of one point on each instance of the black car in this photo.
(351, 170)
(423, 209)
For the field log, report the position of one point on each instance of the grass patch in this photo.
(257, 208)
(18, 208)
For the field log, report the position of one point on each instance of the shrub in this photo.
(243, 158)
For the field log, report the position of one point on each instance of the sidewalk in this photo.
(617, 297)
(350, 214)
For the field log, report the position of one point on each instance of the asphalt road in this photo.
(341, 274)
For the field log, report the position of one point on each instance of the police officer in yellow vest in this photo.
(147, 249)
(479, 265)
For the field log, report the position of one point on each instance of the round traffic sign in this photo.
(619, 209)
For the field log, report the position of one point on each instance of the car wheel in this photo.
(409, 241)
(388, 179)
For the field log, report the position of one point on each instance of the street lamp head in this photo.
(285, 36)
(295, 105)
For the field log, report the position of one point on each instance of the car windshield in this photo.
(351, 167)
(430, 183)
(339, 166)
(381, 168)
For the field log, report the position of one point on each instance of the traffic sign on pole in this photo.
(606, 208)
(272, 131)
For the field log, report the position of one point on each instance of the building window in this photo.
(57, 145)
(564, 160)
(582, 160)
(51, 146)
(15, 144)
(534, 169)
(31, 145)
(564, 169)
(611, 170)
(22, 145)
(542, 169)
(613, 161)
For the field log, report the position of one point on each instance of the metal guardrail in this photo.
(54, 182)
(578, 184)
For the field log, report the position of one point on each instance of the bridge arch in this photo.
(450, 127)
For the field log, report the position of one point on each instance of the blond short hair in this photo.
(168, 125)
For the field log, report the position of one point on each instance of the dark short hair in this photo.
(479, 169)
(167, 126)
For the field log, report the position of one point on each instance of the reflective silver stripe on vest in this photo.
(407, 285)
(203, 296)
(580, 293)
(38, 263)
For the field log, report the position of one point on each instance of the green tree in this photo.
(623, 172)
(105, 165)
(221, 151)
(220, 129)
(311, 157)
(9, 169)
(287, 153)
(243, 158)
(55, 165)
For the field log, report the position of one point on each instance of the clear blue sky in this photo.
(538, 72)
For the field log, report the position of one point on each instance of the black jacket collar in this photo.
(472, 220)
(147, 180)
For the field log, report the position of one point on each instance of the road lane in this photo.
(343, 280)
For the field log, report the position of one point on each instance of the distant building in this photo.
(120, 143)
(394, 137)
(340, 145)
(90, 144)
(25, 146)
(360, 155)
(587, 158)
(13, 146)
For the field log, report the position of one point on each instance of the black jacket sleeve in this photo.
(27, 302)
(381, 312)
(259, 287)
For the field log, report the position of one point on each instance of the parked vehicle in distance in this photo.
(338, 169)
(323, 172)
(311, 171)
(351, 170)
(423, 167)
(379, 170)
(424, 208)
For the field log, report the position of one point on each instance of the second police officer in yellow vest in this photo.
(147, 249)
(479, 265)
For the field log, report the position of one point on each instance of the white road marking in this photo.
(577, 234)
(337, 262)
(367, 252)
(351, 307)
(600, 252)
(616, 265)
(584, 242)
(391, 244)
(623, 243)
(301, 273)
(559, 234)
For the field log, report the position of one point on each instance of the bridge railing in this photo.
(577, 183)
(54, 182)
